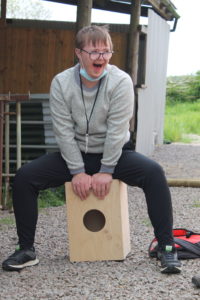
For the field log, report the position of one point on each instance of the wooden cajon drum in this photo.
(98, 229)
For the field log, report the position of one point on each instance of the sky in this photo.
(184, 45)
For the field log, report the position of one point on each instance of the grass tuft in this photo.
(196, 204)
(52, 197)
(182, 119)
(7, 220)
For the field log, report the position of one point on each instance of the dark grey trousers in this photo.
(51, 171)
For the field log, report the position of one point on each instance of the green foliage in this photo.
(181, 119)
(182, 115)
(183, 88)
(52, 197)
(194, 87)
(47, 198)
(7, 221)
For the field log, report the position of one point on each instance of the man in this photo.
(91, 106)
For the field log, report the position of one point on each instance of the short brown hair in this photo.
(93, 34)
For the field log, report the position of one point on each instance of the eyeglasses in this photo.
(94, 55)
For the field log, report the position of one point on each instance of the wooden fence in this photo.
(31, 54)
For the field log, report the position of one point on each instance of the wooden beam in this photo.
(164, 9)
(124, 7)
(171, 8)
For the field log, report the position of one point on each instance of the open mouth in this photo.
(98, 66)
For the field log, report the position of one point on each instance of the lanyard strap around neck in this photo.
(88, 119)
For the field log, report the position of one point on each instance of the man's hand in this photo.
(101, 184)
(81, 184)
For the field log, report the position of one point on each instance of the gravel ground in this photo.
(136, 278)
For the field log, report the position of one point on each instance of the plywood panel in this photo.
(98, 229)
(120, 49)
(30, 57)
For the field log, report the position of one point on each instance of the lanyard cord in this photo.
(88, 119)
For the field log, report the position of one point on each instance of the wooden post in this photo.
(84, 10)
(98, 229)
(132, 58)
(3, 12)
(133, 40)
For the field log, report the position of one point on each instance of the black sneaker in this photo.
(20, 259)
(169, 260)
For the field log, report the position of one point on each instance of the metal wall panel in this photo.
(151, 100)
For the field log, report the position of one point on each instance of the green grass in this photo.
(146, 222)
(196, 204)
(51, 197)
(7, 221)
(181, 118)
(47, 198)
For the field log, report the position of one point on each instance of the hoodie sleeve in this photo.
(119, 115)
(63, 127)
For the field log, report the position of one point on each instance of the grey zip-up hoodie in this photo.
(109, 123)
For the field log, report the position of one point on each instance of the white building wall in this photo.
(151, 100)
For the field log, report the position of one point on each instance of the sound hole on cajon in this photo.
(94, 220)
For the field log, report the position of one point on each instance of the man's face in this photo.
(94, 65)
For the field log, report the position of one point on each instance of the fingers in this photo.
(81, 184)
(79, 191)
(107, 188)
(101, 184)
(99, 190)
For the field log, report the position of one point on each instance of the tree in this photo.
(27, 9)
(194, 87)
(184, 88)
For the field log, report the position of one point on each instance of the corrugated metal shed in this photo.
(151, 99)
